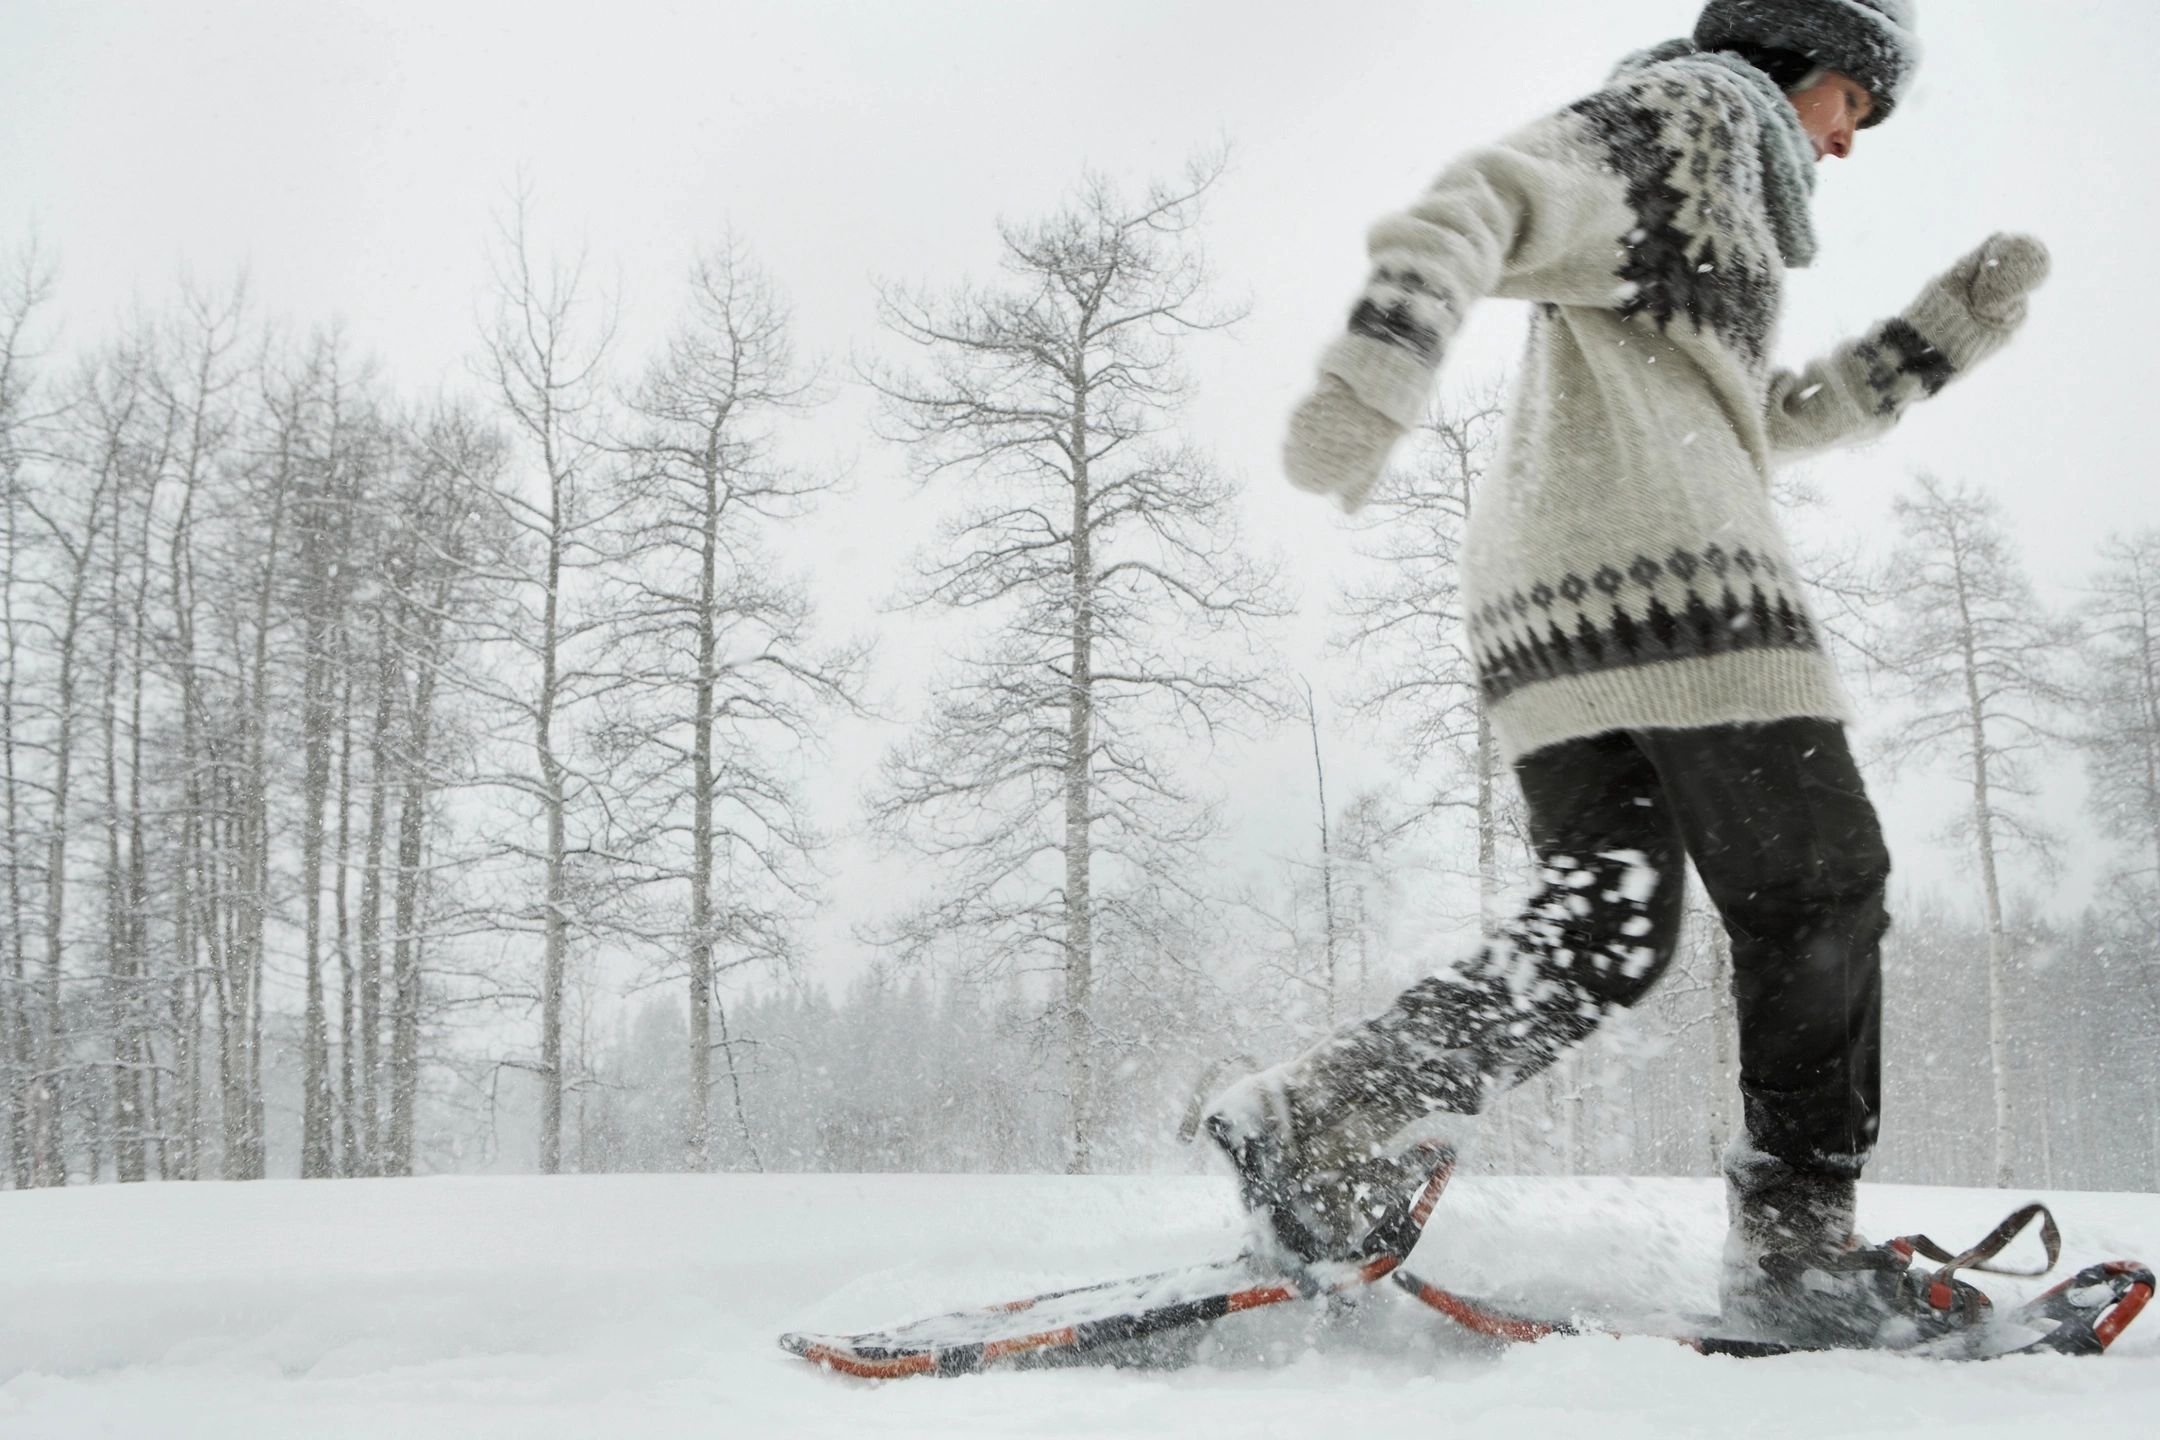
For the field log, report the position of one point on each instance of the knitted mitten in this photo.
(1972, 309)
(1338, 445)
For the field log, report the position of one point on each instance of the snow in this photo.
(648, 1305)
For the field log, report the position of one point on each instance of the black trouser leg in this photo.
(1789, 848)
(1782, 833)
(1597, 934)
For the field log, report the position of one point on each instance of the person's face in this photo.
(1831, 111)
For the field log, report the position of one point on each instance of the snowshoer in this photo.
(1643, 642)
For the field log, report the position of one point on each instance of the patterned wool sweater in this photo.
(1624, 567)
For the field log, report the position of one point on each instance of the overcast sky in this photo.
(349, 156)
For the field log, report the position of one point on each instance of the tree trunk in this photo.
(129, 1159)
(698, 1149)
(407, 955)
(253, 854)
(1998, 944)
(317, 1143)
(1327, 863)
(2148, 643)
(1079, 796)
(229, 976)
(742, 1116)
(555, 938)
(349, 1148)
(187, 989)
(141, 1050)
(410, 948)
(370, 929)
(49, 1162)
(15, 1038)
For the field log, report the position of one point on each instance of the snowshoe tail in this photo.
(1121, 1322)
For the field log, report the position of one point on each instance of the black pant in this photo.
(1781, 831)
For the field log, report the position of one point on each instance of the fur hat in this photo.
(1871, 40)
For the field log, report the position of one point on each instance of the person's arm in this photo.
(1535, 218)
(1539, 216)
(1859, 390)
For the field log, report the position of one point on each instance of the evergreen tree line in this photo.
(393, 785)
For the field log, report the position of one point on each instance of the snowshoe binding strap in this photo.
(1981, 1256)
(1403, 1190)
(1398, 1231)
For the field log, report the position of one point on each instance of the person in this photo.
(1643, 642)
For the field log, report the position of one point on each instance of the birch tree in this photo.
(1981, 661)
(1099, 555)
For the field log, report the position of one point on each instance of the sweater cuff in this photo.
(1384, 377)
(1948, 324)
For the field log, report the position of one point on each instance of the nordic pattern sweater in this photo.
(1623, 567)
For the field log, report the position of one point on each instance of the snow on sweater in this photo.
(1624, 567)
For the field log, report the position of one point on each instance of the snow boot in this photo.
(1796, 1274)
(1323, 1150)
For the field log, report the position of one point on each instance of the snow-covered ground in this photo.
(648, 1306)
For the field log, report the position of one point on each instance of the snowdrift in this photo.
(648, 1305)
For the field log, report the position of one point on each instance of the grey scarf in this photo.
(1788, 157)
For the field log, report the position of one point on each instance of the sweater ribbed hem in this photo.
(1749, 687)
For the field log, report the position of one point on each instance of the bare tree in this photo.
(1365, 840)
(542, 356)
(1038, 781)
(197, 388)
(2122, 689)
(1981, 660)
(26, 287)
(2120, 733)
(1308, 912)
(366, 1125)
(132, 1084)
(76, 511)
(716, 684)
(256, 559)
(340, 447)
(444, 583)
(1405, 629)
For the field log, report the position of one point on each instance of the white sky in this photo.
(349, 156)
